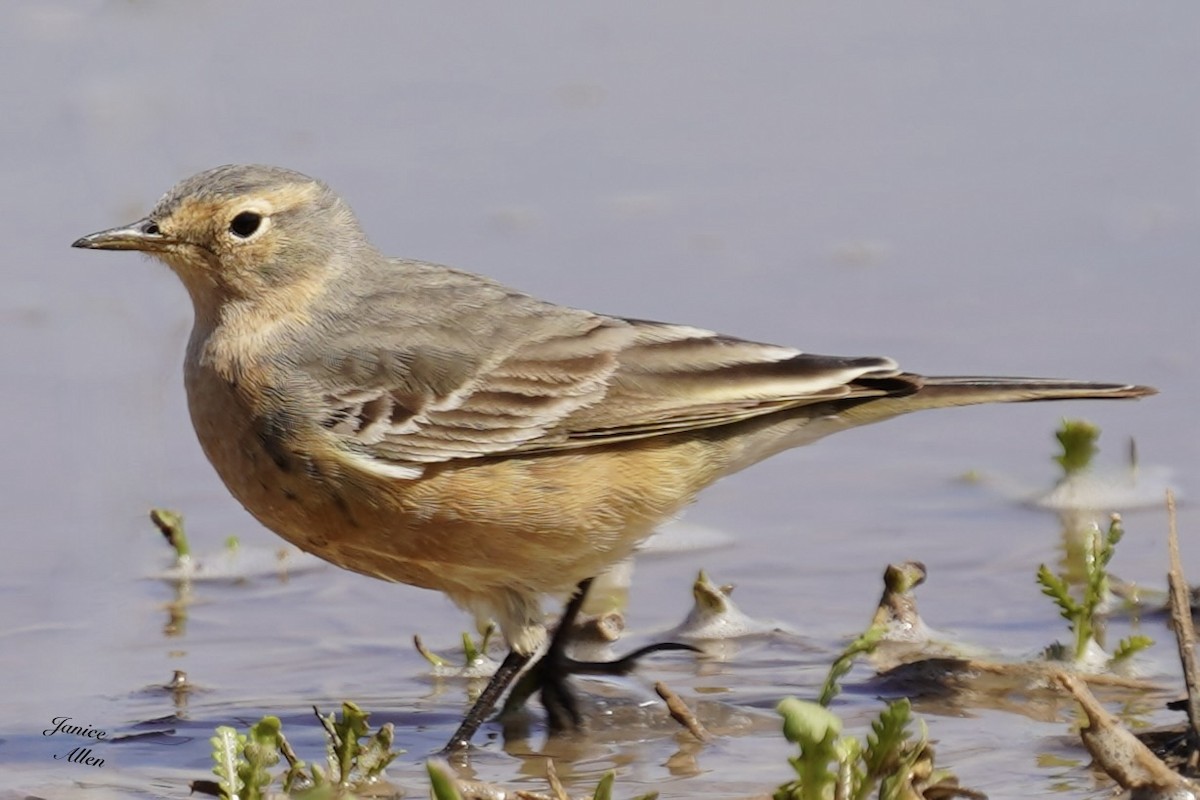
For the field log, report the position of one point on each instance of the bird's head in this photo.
(242, 231)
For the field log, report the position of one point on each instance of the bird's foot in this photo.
(549, 677)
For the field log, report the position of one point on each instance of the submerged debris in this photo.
(913, 661)
(715, 617)
(897, 611)
(1152, 764)
(1122, 755)
(593, 636)
(446, 785)
(680, 712)
(902, 635)
(1185, 635)
(1179, 745)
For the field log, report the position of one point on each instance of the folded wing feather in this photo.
(568, 380)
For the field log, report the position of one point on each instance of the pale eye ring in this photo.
(245, 224)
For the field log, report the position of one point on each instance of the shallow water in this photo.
(1004, 189)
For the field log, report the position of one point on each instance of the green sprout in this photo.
(473, 653)
(892, 764)
(441, 782)
(817, 731)
(865, 643)
(1081, 614)
(1129, 647)
(170, 525)
(605, 787)
(350, 760)
(355, 758)
(243, 761)
(1078, 439)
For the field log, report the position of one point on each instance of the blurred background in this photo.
(1009, 188)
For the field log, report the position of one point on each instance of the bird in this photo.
(425, 425)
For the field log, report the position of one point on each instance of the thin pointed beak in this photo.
(142, 235)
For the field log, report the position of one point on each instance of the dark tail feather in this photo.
(957, 390)
(906, 392)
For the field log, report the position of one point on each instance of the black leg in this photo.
(549, 675)
(513, 663)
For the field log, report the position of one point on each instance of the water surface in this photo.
(1008, 188)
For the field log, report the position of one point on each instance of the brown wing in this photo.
(556, 379)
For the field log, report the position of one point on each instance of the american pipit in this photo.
(424, 425)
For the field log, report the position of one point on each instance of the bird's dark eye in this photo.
(245, 224)
(151, 229)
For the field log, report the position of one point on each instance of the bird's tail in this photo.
(962, 390)
(906, 392)
(958, 390)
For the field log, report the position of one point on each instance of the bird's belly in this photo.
(521, 525)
